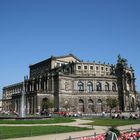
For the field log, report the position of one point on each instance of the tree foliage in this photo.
(112, 103)
(115, 130)
(46, 103)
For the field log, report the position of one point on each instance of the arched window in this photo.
(89, 87)
(113, 87)
(45, 104)
(128, 78)
(128, 81)
(90, 106)
(81, 101)
(99, 101)
(99, 86)
(34, 83)
(80, 86)
(106, 86)
(90, 101)
(99, 105)
(42, 84)
(81, 105)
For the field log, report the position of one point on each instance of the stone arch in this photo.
(90, 106)
(81, 105)
(128, 81)
(44, 104)
(99, 106)
(89, 86)
(80, 86)
(99, 86)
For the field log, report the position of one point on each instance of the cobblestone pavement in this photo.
(62, 136)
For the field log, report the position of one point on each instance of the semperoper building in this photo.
(73, 85)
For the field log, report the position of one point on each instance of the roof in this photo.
(13, 85)
(69, 55)
(41, 62)
(54, 58)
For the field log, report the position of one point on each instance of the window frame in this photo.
(107, 87)
(99, 86)
(80, 86)
(90, 86)
(114, 87)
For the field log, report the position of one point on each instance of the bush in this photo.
(115, 130)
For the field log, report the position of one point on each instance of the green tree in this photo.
(46, 104)
(111, 103)
(115, 130)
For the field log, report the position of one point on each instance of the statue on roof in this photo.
(112, 70)
(131, 67)
(121, 60)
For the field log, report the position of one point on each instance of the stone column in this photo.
(85, 105)
(26, 89)
(32, 98)
(95, 85)
(33, 84)
(95, 105)
(19, 105)
(15, 106)
(31, 105)
(44, 84)
(103, 85)
(35, 103)
(28, 106)
(30, 86)
(37, 84)
(40, 83)
(94, 68)
(46, 79)
(99, 68)
(52, 83)
(38, 104)
(47, 83)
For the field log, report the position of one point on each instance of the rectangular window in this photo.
(106, 69)
(102, 68)
(79, 67)
(85, 67)
(91, 67)
(97, 68)
(58, 64)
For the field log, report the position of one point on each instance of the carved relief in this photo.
(68, 85)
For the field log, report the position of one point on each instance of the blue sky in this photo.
(33, 30)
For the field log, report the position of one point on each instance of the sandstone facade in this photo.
(74, 85)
